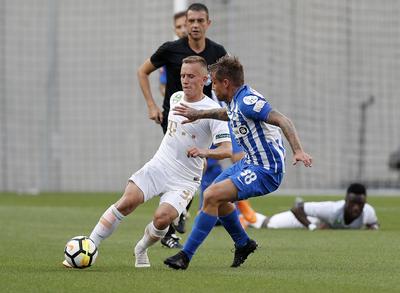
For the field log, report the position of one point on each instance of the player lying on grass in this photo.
(351, 213)
(175, 171)
(256, 128)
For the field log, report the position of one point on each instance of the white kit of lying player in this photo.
(326, 213)
(171, 172)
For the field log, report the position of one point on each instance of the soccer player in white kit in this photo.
(175, 171)
(351, 213)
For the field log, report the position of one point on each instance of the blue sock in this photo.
(201, 228)
(232, 224)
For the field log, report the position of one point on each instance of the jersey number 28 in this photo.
(249, 176)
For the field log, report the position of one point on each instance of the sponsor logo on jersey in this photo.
(243, 130)
(259, 105)
(250, 100)
(240, 131)
(176, 98)
(222, 135)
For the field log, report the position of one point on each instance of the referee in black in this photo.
(170, 55)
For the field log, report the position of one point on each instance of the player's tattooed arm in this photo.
(288, 129)
(217, 113)
(193, 114)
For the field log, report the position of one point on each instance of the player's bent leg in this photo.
(214, 196)
(218, 194)
(226, 192)
(230, 220)
(203, 224)
(164, 215)
(151, 236)
(108, 222)
(243, 244)
(180, 194)
(113, 216)
(153, 232)
(232, 225)
(130, 200)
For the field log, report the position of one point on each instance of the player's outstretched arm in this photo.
(301, 216)
(222, 151)
(193, 114)
(143, 73)
(288, 129)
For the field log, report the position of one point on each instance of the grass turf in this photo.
(34, 230)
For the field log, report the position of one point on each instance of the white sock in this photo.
(151, 236)
(108, 222)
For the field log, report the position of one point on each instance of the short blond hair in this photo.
(196, 59)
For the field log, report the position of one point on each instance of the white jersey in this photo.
(172, 152)
(332, 214)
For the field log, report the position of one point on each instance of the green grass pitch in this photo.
(34, 230)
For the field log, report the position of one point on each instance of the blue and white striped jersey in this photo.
(262, 142)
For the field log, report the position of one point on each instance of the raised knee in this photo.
(161, 220)
(128, 203)
(209, 198)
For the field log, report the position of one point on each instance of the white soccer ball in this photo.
(80, 252)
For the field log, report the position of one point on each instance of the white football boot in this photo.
(141, 258)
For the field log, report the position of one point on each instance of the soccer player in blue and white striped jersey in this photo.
(256, 127)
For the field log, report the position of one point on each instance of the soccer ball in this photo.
(80, 252)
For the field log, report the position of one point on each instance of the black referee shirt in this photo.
(171, 55)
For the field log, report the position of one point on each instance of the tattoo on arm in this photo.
(287, 127)
(218, 114)
(291, 135)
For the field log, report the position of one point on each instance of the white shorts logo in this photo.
(250, 100)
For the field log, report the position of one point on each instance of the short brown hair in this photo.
(198, 7)
(228, 67)
(195, 59)
(179, 15)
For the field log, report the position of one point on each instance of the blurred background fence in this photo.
(73, 118)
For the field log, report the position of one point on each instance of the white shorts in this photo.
(286, 220)
(154, 179)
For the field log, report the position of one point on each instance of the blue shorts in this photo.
(209, 176)
(251, 180)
